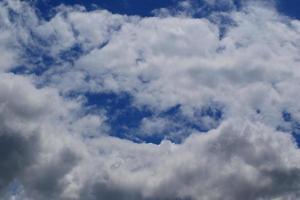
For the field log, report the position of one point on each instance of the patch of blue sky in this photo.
(212, 111)
(145, 7)
(202, 120)
(128, 7)
(290, 125)
(142, 8)
(37, 59)
(122, 116)
(125, 119)
(290, 8)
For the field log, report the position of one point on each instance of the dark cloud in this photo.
(47, 180)
(17, 153)
(108, 191)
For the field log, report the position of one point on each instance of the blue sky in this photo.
(149, 99)
(145, 7)
(290, 8)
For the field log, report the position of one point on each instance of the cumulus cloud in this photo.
(239, 84)
(24, 136)
(255, 160)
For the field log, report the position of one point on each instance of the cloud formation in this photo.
(233, 74)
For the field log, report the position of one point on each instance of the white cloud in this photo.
(254, 159)
(55, 149)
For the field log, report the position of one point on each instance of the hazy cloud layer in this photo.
(233, 73)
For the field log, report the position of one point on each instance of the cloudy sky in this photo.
(149, 100)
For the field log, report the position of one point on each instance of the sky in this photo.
(144, 8)
(149, 100)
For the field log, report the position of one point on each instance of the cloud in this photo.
(237, 87)
(184, 55)
(257, 161)
(35, 147)
(18, 153)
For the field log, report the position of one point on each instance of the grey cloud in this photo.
(46, 183)
(105, 191)
(284, 182)
(228, 163)
(17, 154)
(25, 137)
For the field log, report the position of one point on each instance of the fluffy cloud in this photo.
(257, 162)
(238, 83)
